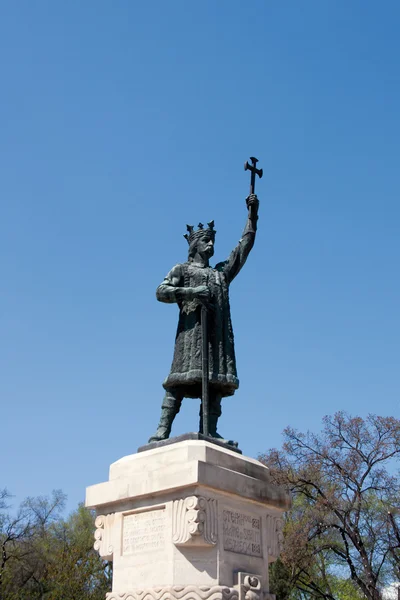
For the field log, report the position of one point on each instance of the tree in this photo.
(76, 570)
(47, 557)
(393, 532)
(343, 487)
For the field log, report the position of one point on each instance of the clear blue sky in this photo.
(123, 121)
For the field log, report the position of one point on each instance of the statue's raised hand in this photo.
(252, 203)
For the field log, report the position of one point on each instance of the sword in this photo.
(204, 356)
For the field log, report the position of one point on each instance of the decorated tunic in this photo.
(186, 371)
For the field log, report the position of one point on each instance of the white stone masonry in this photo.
(188, 521)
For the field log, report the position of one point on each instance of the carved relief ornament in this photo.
(275, 535)
(102, 542)
(178, 592)
(194, 521)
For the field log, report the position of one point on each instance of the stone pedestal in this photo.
(188, 521)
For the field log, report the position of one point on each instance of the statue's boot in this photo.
(169, 409)
(215, 413)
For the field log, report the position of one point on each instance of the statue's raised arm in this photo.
(238, 256)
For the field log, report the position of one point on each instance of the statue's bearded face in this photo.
(205, 246)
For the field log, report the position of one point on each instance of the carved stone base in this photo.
(188, 521)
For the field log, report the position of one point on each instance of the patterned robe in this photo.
(186, 370)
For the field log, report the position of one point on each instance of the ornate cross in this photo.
(254, 172)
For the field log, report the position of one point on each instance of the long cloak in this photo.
(186, 371)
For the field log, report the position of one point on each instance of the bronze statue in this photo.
(204, 336)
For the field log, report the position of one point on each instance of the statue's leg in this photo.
(169, 409)
(215, 412)
(201, 418)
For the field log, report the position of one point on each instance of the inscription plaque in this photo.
(144, 532)
(242, 533)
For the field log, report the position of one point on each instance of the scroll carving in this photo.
(250, 586)
(275, 536)
(102, 536)
(194, 521)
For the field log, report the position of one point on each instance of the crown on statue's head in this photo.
(193, 235)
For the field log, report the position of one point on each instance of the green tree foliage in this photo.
(318, 584)
(280, 581)
(47, 557)
(340, 541)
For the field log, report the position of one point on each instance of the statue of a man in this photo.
(191, 284)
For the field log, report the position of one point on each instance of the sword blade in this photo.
(204, 353)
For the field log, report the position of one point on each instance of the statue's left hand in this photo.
(252, 203)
